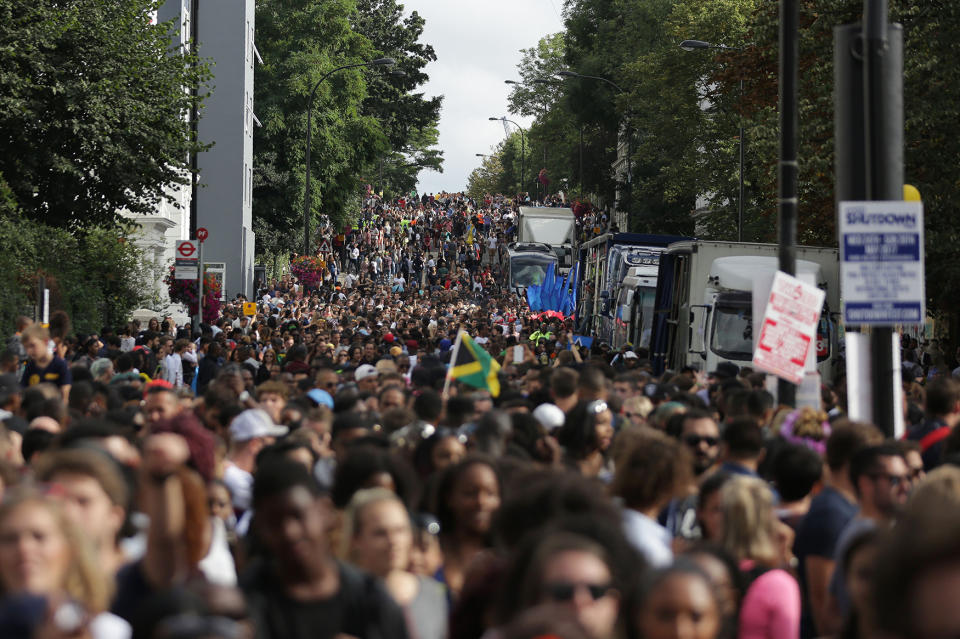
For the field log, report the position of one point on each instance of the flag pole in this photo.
(453, 361)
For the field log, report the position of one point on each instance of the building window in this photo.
(246, 113)
(244, 182)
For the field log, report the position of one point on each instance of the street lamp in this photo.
(523, 147)
(692, 45)
(379, 62)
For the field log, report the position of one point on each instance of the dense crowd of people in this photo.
(314, 470)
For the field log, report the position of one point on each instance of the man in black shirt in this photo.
(300, 589)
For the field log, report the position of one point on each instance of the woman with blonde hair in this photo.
(43, 553)
(752, 534)
(378, 538)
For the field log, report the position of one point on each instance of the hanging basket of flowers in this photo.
(308, 269)
(185, 292)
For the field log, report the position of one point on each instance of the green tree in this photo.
(397, 171)
(485, 179)
(92, 109)
(300, 41)
(97, 278)
(409, 119)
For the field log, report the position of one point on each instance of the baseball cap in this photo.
(253, 423)
(445, 345)
(321, 397)
(396, 351)
(630, 355)
(550, 416)
(386, 366)
(364, 371)
(388, 337)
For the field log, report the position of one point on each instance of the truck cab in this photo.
(527, 263)
(725, 319)
(703, 312)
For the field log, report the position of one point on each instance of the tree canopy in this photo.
(92, 109)
(361, 116)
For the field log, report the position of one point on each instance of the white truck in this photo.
(527, 263)
(703, 312)
(549, 225)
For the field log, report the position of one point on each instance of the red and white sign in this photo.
(186, 249)
(202, 234)
(789, 327)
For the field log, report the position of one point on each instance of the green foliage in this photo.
(97, 279)
(408, 118)
(360, 116)
(92, 109)
(485, 179)
(300, 42)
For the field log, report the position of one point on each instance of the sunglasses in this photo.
(895, 480)
(561, 591)
(695, 440)
(596, 407)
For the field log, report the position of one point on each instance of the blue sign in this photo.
(881, 263)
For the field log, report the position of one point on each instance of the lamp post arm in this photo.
(601, 79)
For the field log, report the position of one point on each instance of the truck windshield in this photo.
(525, 271)
(732, 329)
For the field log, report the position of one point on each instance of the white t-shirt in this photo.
(399, 281)
(240, 483)
(107, 625)
(172, 370)
(218, 566)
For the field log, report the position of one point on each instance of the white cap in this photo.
(630, 355)
(364, 371)
(550, 416)
(253, 423)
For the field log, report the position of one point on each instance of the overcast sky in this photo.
(478, 46)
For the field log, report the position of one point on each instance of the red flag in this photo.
(542, 177)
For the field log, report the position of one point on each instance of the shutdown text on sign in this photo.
(881, 267)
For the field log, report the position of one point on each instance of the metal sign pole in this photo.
(199, 320)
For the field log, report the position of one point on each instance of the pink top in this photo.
(771, 607)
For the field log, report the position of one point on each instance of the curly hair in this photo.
(655, 468)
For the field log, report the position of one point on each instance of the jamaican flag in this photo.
(473, 366)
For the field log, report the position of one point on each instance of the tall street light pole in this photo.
(692, 45)
(523, 147)
(379, 62)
